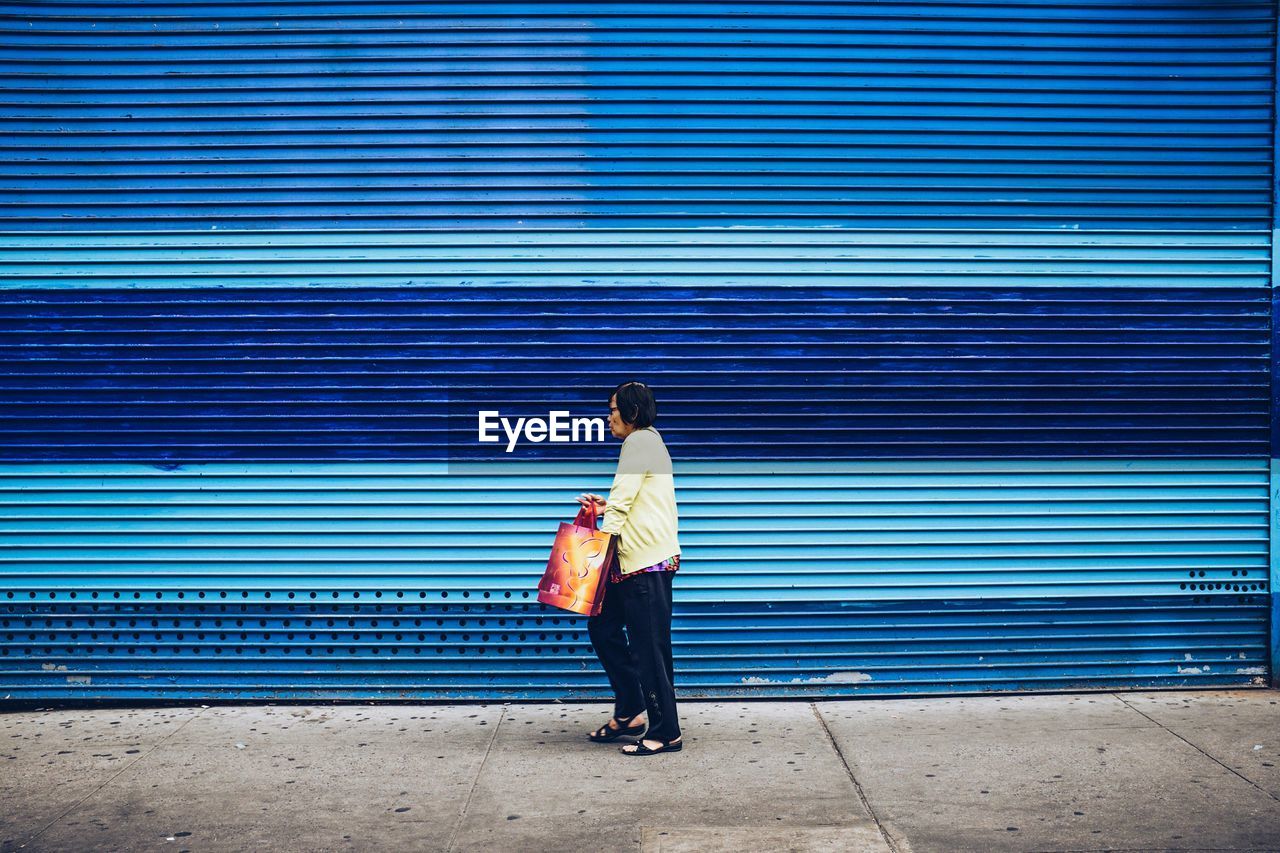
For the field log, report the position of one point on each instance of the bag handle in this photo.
(587, 516)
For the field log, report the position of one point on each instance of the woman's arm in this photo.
(632, 467)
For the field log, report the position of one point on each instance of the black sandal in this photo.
(604, 734)
(641, 749)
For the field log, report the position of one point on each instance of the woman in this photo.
(641, 514)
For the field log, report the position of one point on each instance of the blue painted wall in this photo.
(960, 314)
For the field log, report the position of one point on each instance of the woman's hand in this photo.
(586, 499)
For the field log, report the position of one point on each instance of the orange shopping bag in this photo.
(575, 577)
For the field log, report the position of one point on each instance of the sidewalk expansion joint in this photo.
(125, 769)
(462, 815)
(857, 786)
(1231, 770)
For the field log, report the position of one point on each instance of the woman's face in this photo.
(617, 426)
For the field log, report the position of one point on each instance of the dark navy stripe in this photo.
(755, 373)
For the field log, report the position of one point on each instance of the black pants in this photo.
(639, 663)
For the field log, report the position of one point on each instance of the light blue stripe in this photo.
(718, 257)
(805, 532)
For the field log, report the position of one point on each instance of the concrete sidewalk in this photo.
(1132, 771)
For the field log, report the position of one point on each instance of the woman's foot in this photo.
(649, 746)
(620, 727)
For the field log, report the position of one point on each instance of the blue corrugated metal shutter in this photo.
(959, 316)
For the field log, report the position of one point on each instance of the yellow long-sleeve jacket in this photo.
(641, 509)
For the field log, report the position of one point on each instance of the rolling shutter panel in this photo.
(959, 316)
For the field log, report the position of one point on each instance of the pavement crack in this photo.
(857, 786)
(462, 815)
(1231, 770)
(125, 769)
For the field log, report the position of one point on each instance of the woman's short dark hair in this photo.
(636, 405)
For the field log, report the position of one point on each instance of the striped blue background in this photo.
(960, 316)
